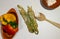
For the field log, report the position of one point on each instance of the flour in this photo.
(50, 2)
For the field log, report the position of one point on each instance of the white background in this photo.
(46, 30)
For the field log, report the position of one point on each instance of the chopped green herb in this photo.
(13, 24)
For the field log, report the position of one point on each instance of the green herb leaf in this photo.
(13, 24)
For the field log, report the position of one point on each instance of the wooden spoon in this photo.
(42, 17)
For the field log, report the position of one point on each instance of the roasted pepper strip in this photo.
(22, 12)
(29, 19)
(33, 22)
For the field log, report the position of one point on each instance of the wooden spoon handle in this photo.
(54, 23)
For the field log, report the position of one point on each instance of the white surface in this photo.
(46, 30)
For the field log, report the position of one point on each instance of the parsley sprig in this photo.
(13, 24)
